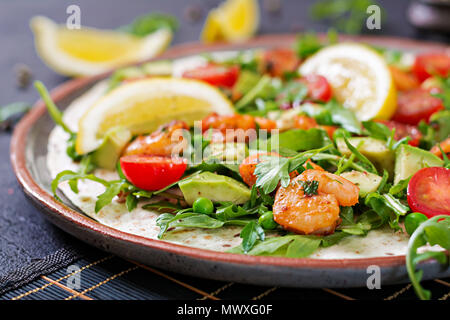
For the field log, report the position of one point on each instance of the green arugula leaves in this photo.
(435, 231)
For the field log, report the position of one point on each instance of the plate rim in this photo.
(18, 146)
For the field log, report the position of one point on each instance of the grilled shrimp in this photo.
(221, 123)
(165, 141)
(316, 213)
(248, 166)
(346, 192)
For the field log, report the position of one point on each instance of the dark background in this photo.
(24, 235)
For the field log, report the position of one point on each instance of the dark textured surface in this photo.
(104, 277)
(24, 235)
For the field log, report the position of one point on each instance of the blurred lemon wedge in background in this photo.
(143, 105)
(87, 51)
(360, 78)
(233, 20)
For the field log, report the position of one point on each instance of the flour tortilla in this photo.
(378, 243)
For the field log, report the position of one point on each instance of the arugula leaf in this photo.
(111, 191)
(262, 89)
(302, 247)
(51, 107)
(250, 233)
(228, 210)
(348, 225)
(335, 159)
(162, 206)
(361, 157)
(383, 182)
(149, 23)
(377, 130)
(346, 118)
(292, 93)
(307, 44)
(387, 207)
(400, 188)
(197, 220)
(57, 117)
(291, 245)
(435, 231)
(131, 202)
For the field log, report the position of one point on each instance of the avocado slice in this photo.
(374, 149)
(230, 152)
(108, 153)
(409, 160)
(214, 187)
(366, 181)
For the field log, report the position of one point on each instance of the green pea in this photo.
(203, 205)
(413, 220)
(266, 221)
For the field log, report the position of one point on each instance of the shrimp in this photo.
(316, 213)
(165, 141)
(217, 127)
(248, 166)
(445, 146)
(346, 192)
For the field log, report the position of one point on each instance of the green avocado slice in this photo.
(215, 187)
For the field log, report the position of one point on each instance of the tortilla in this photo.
(378, 243)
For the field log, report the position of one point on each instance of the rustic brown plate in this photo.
(28, 157)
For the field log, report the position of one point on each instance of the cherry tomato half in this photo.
(319, 88)
(416, 105)
(428, 64)
(216, 75)
(404, 130)
(152, 172)
(428, 191)
(278, 61)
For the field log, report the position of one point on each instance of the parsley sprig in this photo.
(273, 170)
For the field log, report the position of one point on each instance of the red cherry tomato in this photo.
(216, 75)
(428, 191)
(416, 105)
(152, 172)
(278, 61)
(318, 87)
(428, 64)
(404, 130)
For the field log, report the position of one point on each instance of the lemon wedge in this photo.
(142, 106)
(233, 20)
(87, 51)
(359, 76)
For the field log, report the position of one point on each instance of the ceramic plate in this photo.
(28, 157)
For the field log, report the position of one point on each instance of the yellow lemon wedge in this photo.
(142, 106)
(359, 76)
(233, 20)
(88, 51)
